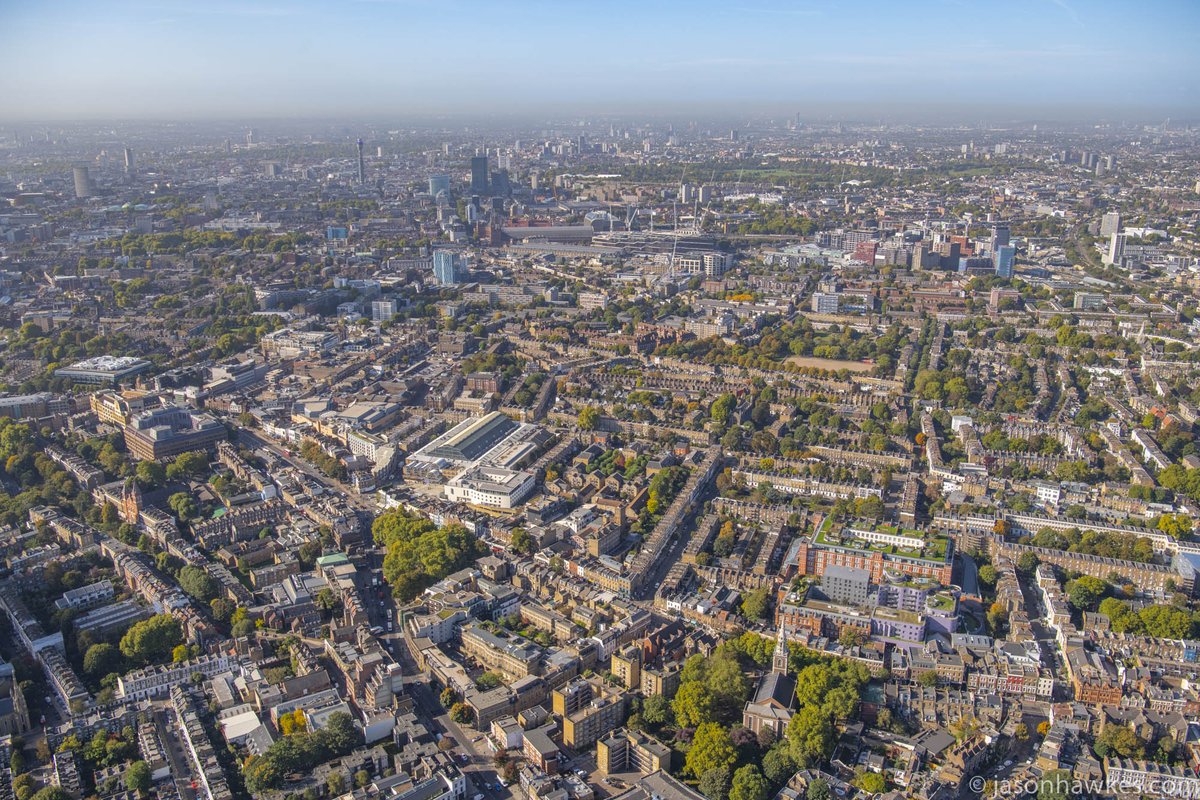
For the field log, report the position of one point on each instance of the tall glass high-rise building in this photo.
(479, 174)
(447, 267)
(1004, 257)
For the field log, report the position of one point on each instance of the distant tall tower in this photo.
(479, 174)
(128, 161)
(1001, 234)
(83, 183)
(362, 165)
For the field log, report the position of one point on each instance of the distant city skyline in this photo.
(165, 59)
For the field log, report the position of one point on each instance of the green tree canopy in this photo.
(810, 734)
(819, 790)
(749, 784)
(711, 749)
(714, 784)
(197, 583)
(152, 639)
(1057, 784)
(755, 605)
(150, 473)
(589, 418)
(51, 793)
(1119, 740)
(101, 659)
(419, 553)
(138, 777)
(812, 684)
(778, 765)
(183, 505)
(871, 782)
(656, 710)
(1085, 592)
(693, 704)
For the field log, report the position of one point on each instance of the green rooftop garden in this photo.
(941, 602)
(834, 533)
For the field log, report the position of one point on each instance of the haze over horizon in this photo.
(160, 59)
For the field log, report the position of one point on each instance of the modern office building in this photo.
(1003, 259)
(383, 310)
(362, 164)
(479, 174)
(847, 585)
(104, 369)
(116, 407)
(500, 184)
(439, 184)
(165, 432)
(490, 486)
(1000, 235)
(447, 267)
(824, 303)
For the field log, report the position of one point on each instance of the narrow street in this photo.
(479, 768)
(253, 440)
(1044, 634)
(181, 768)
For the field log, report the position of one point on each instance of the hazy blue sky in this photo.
(168, 58)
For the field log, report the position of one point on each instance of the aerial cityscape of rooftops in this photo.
(742, 454)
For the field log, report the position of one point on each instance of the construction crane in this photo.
(675, 243)
(700, 221)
